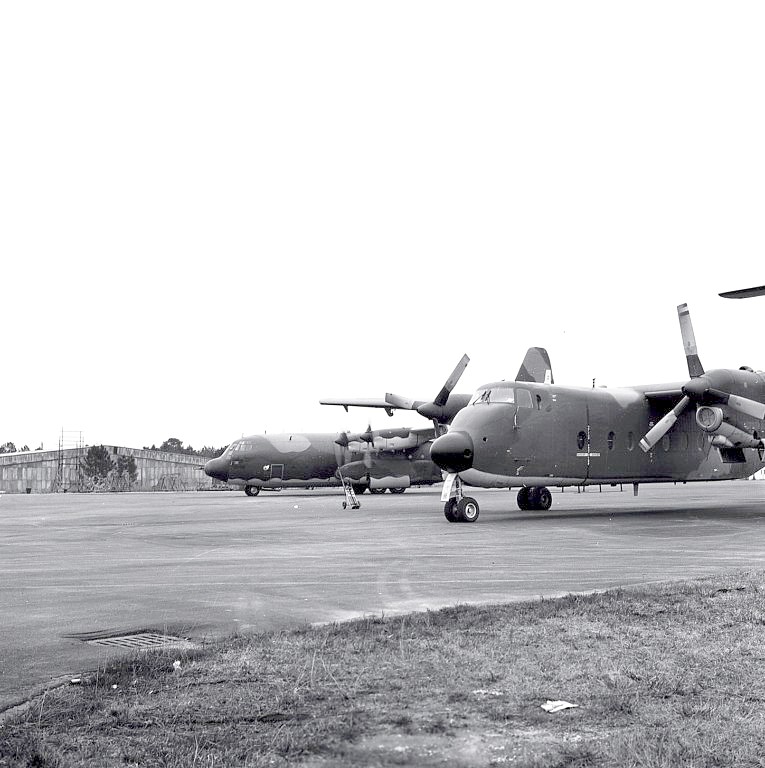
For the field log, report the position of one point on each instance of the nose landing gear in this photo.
(458, 508)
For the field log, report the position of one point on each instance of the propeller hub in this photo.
(697, 389)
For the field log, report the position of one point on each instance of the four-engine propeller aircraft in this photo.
(387, 458)
(375, 459)
(530, 436)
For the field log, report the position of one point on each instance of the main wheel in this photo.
(397, 490)
(359, 489)
(377, 490)
(523, 498)
(467, 509)
(252, 490)
(450, 511)
(540, 498)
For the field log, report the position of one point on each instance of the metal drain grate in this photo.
(141, 641)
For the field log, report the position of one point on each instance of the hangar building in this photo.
(62, 470)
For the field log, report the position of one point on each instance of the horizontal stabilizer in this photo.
(536, 367)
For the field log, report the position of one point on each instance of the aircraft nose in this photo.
(217, 468)
(453, 451)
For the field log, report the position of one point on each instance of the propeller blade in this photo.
(743, 404)
(451, 382)
(700, 391)
(695, 368)
(664, 425)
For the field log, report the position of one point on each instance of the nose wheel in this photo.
(458, 508)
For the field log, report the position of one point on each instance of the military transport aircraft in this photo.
(526, 435)
(375, 459)
(387, 458)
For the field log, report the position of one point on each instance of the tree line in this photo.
(172, 445)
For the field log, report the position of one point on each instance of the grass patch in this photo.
(663, 676)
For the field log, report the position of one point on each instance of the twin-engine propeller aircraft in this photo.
(530, 436)
(376, 459)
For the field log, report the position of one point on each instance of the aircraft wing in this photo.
(361, 402)
(744, 293)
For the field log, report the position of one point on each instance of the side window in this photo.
(581, 439)
(630, 441)
(523, 398)
(611, 437)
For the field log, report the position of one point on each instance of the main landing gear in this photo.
(537, 498)
(458, 508)
(252, 490)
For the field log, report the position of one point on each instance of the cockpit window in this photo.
(498, 394)
(523, 398)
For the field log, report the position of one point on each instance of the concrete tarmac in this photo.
(210, 564)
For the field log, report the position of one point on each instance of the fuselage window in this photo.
(611, 437)
(666, 443)
(630, 441)
(683, 441)
(523, 398)
(581, 439)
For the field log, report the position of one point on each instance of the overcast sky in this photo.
(214, 214)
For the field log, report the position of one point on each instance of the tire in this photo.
(523, 498)
(450, 510)
(377, 490)
(467, 509)
(540, 498)
(252, 490)
(359, 489)
(544, 499)
(397, 490)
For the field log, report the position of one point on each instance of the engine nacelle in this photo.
(722, 433)
(709, 418)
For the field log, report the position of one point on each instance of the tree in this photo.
(98, 463)
(127, 472)
(7, 448)
(172, 445)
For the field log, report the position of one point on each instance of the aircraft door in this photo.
(277, 472)
(566, 422)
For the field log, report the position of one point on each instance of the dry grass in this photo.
(664, 676)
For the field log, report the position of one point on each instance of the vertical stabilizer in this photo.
(536, 367)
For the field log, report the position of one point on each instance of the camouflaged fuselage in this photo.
(574, 436)
(296, 460)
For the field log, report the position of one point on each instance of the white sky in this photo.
(214, 214)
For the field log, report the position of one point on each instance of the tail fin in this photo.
(536, 367)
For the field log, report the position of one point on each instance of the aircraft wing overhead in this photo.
(744, 293)
(536, 366)
(361, 402)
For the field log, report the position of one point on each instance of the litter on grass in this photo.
(557, 706)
